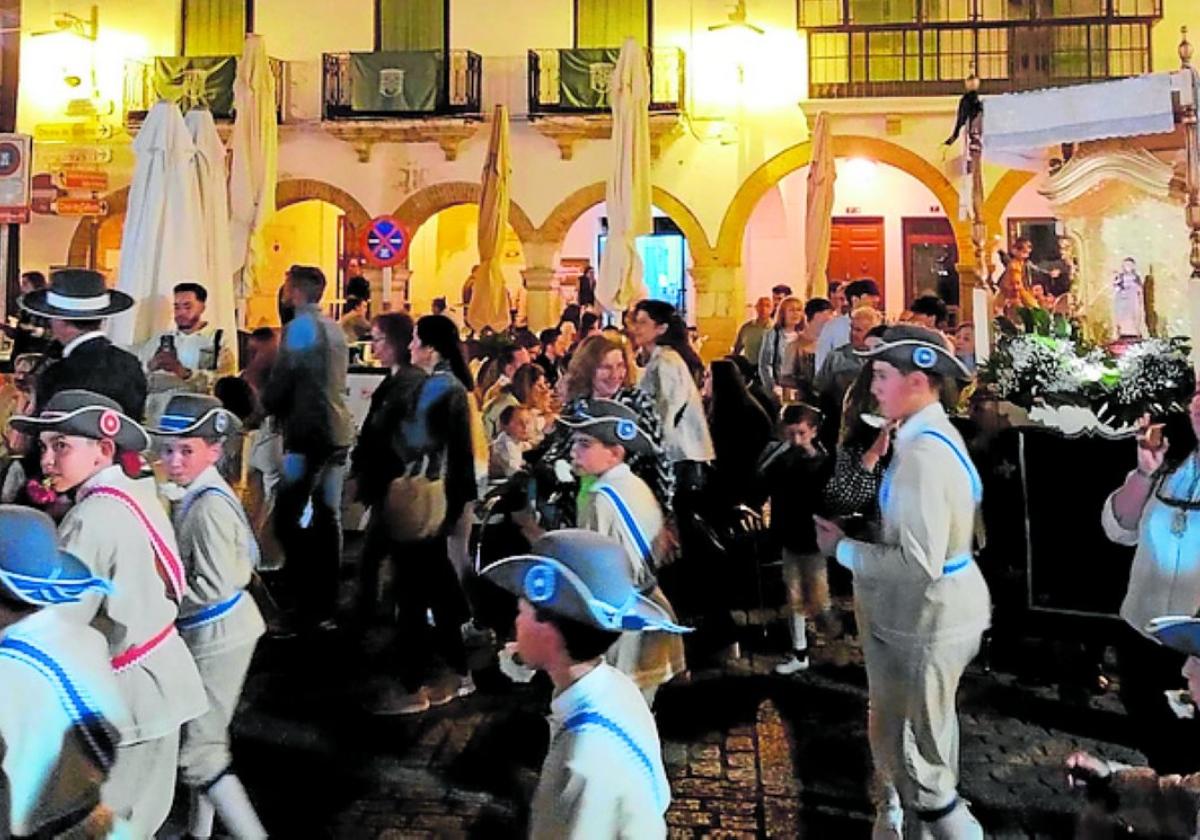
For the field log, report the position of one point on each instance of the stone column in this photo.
(393, 299)
(542, 303)
(720, 301)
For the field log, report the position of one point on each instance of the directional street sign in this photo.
(385, 241)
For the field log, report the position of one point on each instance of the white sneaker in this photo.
(795, 664)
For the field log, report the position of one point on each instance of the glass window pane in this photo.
(830, 58)
(883, 11)
(929, 44)
(1078, 8)
(1069, 55)
(946, 11)
(887, 54)
(993, 54)
(821, 13)
(1129, 53)
(1137, 8)
(858, 57)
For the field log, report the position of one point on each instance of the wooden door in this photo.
(856, 249)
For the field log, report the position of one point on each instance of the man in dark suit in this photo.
(77, 302)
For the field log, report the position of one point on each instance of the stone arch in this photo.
(287, 192)
(756, 185)
(427, 202)
(1002, 193)
(558, 222)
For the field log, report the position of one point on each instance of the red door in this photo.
(856, 249)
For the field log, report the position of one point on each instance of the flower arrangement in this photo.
(1119, 386)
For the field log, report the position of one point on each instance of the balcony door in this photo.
(607, 23)
(412, 25)
(216, 27)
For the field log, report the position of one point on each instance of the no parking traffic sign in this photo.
(385, 241)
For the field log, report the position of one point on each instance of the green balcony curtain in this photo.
(412, 24)
(607, 23)
(214, 27)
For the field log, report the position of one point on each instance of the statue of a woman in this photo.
(1129, 302)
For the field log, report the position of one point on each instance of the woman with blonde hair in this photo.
(601, 367)
(777, 361)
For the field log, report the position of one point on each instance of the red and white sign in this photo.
(384, 241)
(14, 178)
(87, 180)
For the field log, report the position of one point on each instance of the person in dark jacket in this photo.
(434, 434)
(306, 397)
(77, 302)
(30, 333)
(741, 430)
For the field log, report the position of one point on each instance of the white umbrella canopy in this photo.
(161, 242)
(620, 282)
(209, 164)
(489, 303)
(255, 147)
(818, 221)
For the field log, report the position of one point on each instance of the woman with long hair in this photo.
(602, 368)
(529, 389)
(741, 430)
(777, 360)
(433, 442)
(669, 379)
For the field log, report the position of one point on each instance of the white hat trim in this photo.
(881, 348)
(79, 304)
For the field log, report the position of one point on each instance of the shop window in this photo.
(216, 27)
(607, 23)
(411, 25)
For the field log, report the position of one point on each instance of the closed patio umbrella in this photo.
(161, 241)
(209, 164)
(818, 220)
(255, 146)
(489, 304)
(627, 195)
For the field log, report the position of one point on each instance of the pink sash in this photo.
(137, 653)
(170, 569)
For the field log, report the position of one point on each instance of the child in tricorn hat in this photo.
(60, 705)
(218, 620)
(615, 502)
(603, 776)
(119, 530)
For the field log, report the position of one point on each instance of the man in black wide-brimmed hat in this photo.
(77, 302)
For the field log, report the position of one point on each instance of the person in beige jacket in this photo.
(120, 531)
(923, 599)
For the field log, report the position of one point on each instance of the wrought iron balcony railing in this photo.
(192, 81)
(383, 84)
(575, 81)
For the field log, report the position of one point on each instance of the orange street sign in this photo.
(82, 179)
(81, 207)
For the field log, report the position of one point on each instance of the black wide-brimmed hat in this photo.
(76, 294)
(909, 347)
(196, 415)
(583, 576)
(86, 414)
(610, 422)
(32, 567)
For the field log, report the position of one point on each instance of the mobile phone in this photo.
(167, 343)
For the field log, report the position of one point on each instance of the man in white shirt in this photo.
(603, 776)
(190, 357)
(860, 293)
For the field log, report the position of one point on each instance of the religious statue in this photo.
(1129, 302)
(1015, 290)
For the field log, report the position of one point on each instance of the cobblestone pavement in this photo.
(749, 754)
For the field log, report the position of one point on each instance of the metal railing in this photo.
(553, 92)
(144, 84)
(366, 86)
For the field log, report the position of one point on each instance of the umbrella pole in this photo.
(983, 337)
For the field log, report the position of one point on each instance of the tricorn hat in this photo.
(583, 576)
(910, 347)
(610, 422)
(32, 568)
(196, 415)
(89, 415)
(1178, 632)
(76, 294)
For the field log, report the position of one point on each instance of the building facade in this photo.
(384, 107)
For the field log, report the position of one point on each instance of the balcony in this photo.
(192, 81)
(420, 96)
(568, 94)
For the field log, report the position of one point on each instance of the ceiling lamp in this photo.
(737, 19)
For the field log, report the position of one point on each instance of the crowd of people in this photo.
(568, 498)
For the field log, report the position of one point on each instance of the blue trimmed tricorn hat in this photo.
(610, 422)
(909, 347)
(76, 294)
(196, 415)
(32, 568)
(86, 414)
(583, 576)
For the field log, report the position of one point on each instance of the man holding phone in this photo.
(191, 357)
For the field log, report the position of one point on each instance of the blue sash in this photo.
(209, 614)
(96, 734)
(631, 526)
(590, 717)
(192, 498)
